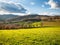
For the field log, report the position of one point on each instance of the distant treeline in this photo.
(28, 23)
(17, 26)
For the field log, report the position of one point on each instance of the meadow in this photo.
(32, 36)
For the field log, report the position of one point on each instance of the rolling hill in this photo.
(30, 17)
(27, 17)
(7, 16)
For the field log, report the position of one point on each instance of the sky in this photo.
(42, 7)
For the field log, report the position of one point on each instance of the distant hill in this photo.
(34, 17)
(29, 17)
(7, 16)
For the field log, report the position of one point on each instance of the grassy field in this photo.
(33, 36)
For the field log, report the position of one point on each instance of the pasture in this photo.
(33, 36)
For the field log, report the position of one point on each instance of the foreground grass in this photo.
(34, 36)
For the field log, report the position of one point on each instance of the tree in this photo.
(41, 22)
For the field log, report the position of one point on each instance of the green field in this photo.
(33, 36)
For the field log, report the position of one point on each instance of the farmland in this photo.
(30, 31)
(32, 36)
(29, 22)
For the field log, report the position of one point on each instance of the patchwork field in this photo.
(33, 36)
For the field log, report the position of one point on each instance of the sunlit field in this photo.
(29, 22)
(33, 36)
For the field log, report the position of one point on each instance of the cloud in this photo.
(4, 12)
(42, 6)
(49, 13)
(45, 13)
(32, 3)
(53, 4)
(11, 7)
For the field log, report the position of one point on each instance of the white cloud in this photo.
(5, 1)
(32, 3)
(49, 13)
(4, 12)
(53, 4)
(8, 11)
(43, 6)
(45, 13)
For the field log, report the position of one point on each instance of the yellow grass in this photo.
(33, 36)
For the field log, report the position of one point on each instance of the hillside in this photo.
(7, 16)
(32, 17)
(27, 17)
(27, 21)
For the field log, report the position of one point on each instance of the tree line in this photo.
(18, 26)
